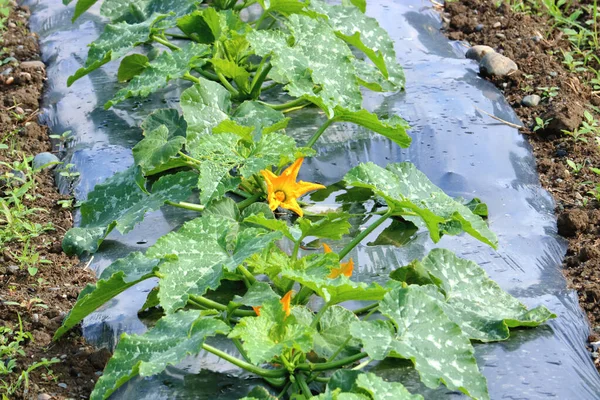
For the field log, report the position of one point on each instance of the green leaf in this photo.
(313, 271)
(364, 33)
(156, 149)
(133, 11)
(411, 194)
(261, 117)
(131, 66)
(81, 7)
(83, 240)
(220, 153)
(114, 42)
(332, 331)
(367, 386)
(195, 257)
(285, 7)
(393, 128)
(268, 335)
(168, 117)
(116, 278)
(224, 207)
(398, 234)
(360, 4)
(257, 294)
(475, 302)
(308, 59)
(203, 26)
(169, 65)
(232, 70)
(120, 203)
(204, 106)
(291, 232)
(259, 393)
(172, 339)
(330, 226)
(424, 334)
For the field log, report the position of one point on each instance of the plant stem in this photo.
(250, 200)
(164, 42)
(186, 206)
(225, 82)
(267, 373)
(204, 302)
(241, 193)
(302, 383)
(364, 234)
(317, 317)
(318, 134)
(190, 77)
(302, 295)
(283, 106)
(247, 274)
(296, 249)
(331, 365)
(178, 36)
(286, 387)
(206, 74)
(365, 309)
(260, 20)
(189, 158)
(258, 80)
(245, 4)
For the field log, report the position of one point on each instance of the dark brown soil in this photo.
(56, 285)
(535, 46)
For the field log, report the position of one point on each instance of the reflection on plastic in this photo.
(461, 150)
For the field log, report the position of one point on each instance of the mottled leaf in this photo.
(312, 62)
(423, 333)
(169, 65)
(133, 11)
(172, 339)
(268, 335)
(196, 256)
(131, 66)
(313, 272)
(120, 203)
(408, 192)
(168, 117)
(364, 33)
(476, 303)
(114, 42)
(116, 278)
(156, 149)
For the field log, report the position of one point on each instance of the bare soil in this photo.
(533, 43)
(56, 285)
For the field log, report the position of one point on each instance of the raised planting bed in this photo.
(251, 300)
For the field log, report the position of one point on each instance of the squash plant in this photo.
(225, 154)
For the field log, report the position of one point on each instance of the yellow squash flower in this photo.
(285, 302)
(344, 269)
(283, 190)
(257, 310)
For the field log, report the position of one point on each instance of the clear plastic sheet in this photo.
(460, 149)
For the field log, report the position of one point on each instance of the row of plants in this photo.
(227, 156)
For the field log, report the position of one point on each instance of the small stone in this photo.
(7, 71)
(478, 52)
(531, 101)
(35, 318)
(595, 346)
(13, 269)
(18, 178)
(35, 65)
(44, 159)
(12, 25)
(561, 153)
(500, 35)
(25, 76)
(553, 74)
(494, 64)
(62, 385)
(496, 25)
(19, 111)
(537, 38)
(10, 80)
(44, 396)
(479, 27)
